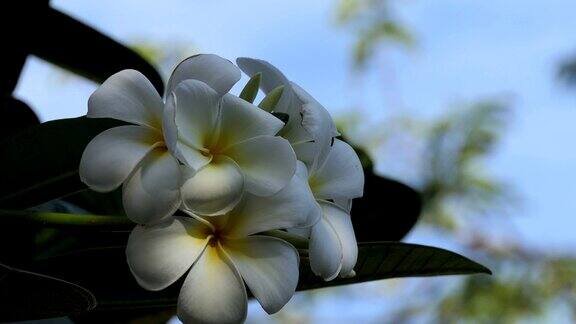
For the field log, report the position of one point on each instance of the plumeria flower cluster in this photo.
(212, 179)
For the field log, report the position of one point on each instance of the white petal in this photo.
(271, 79)
(344, 203)
(317, 122)
(269, 266)
(191, 156)
(217, 72)
(128, 96)
(215, 189)
(267, 162)
(306, 152)
(241, 121)
(160, 254)
(213, 291)
(293, 206)
(112, 155)
(325, 250)
(342, 224)
(341, 176)
(300, 231)
(152, 192)
(196, 113)
(271, 76)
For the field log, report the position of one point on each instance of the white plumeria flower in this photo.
(136, 154)
(332, 247)
(310, 128)
(229, 145)
(223, 252)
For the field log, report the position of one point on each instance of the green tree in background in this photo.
(463, 201)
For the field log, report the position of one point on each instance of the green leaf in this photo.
(383, 196)
(41, 163)
(271, 100)
(28, 296)
(115, 287)
(251, 88)
(385, 260)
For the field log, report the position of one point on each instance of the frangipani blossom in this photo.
(221, 253)
(134, 155)
(310, 128)
(138, 155)
(229, 145)
(333, 248)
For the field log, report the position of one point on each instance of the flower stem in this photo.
(65, 220)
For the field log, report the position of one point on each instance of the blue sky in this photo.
(467, 50)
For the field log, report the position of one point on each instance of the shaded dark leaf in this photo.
(81, 49)
(15, 116)
(11, 66)
(387, 211)
(43, 160)
(28, 295)
(115, 287)
(384, 260)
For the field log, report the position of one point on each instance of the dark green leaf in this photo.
(15, 116)
(251, 88)
(115, 287)
(27, 296)
(79, 48)
(385, 260)
(387, 211)
(41, 162)
(271, 100)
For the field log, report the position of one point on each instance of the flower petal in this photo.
(342, 224)
(325, 250)
(153, 191)
(213, 291)
(196, 112)
(317, 122)
(344, 203)
(191, 156)
(293, 206)
(217, 72)
(305, 152)
(129, 96)
(215, 189)
(113, 154)
(242, 120)
(268, 163)
(160, 254)
(269, 266)
(272, 78)
(300, 231)
(341, 176)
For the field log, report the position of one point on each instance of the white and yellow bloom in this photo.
(134, 155)
(310, 128)
(336, 175)
(229, 145)
(332, 247)
(221, 253)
